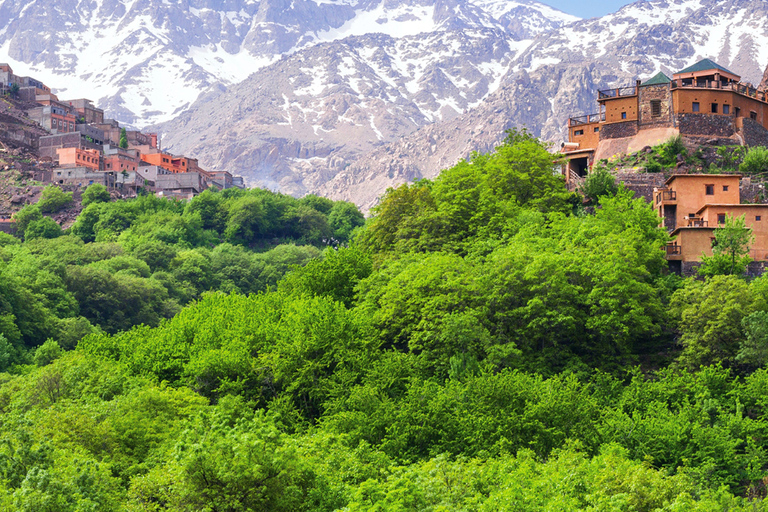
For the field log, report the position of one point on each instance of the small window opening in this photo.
(696, 107)
(655, 108)
(623, 115)
(753, 115)
(721, 218)
(714, 108)
(710, 190)
(726, 109)
(725, 188)
(758, 218)
(578, 132)
(597, 129)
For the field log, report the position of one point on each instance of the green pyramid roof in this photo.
(659, 79)
(705, 65)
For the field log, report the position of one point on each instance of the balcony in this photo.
(739, 88)
(588, 119)
(673, 250)
(697, 222)
(619, 92)
(666, 196)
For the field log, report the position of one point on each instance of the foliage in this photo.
(730, 252)
(482, 343)
(755, 161)
(95, 193)
(53, 199)
(123, 139)
(599, 183)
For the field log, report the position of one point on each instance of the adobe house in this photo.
(76, 157)
(702, 101)
(694, 205)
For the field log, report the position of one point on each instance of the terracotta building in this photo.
(75, 157)
(703, 100)
(694, 205)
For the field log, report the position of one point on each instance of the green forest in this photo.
(485, 341)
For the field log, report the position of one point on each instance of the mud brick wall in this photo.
(618, 130)
(705, 124)
(648, 94)
(754, 133)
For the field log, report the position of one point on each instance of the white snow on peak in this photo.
(401, 21)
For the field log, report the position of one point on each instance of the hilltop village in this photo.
(704, 105)
(78, 147)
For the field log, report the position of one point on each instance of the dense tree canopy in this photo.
(481, 343)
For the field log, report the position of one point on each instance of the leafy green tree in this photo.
(709, 319)
(54, 199)
(123, 139)
(95, 193)
(43, 228)
(343, 218)
(47, 353)
(754, 348)
(25, 216)
(600, 182)
(755, 161)
(730, 253)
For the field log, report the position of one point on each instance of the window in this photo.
(710, 190)
(721, 218)
(714, 108)
(726, 109)
(655, 108)
(737, 111)
(758, 218)
(725, 188)
(578, 132)
(695, 107)
(753, 115)
(623, 115)
(597, 129)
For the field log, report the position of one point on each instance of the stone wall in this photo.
(618, 130)
(642, 184)
(754, 133)
(705, 125)
(7, 226)
(647, 94)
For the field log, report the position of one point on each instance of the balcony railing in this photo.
(666, 195)
(739, 88)
(588, 119)
(695, 222)
(673, 249)
(619, 92)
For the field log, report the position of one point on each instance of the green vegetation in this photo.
(96, 193)
(730, 252)
(755, 161)
(53, 199)
(482, 344)
(123, 139)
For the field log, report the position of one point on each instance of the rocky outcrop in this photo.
(764, 82)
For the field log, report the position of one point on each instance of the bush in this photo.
(599, 183)
(25, 217)
(54, 199)
(96, 193)
(43, 228)
(755, 161)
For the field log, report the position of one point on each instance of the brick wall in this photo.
(618, 130)
(754, 133)
(651, 93)
(705, 124)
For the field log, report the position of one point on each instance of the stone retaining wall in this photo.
(754, 133)
(706, 125)
(618, 130)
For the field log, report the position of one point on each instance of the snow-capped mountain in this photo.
(146, 61)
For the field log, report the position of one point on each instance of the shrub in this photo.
(96, 193)
(43, 228)
(755, 161)
(53, 199)
(600, 182)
